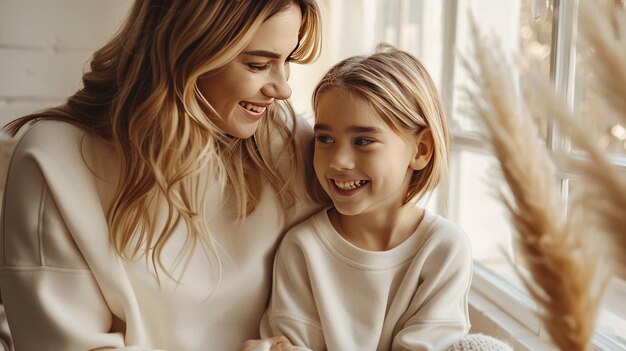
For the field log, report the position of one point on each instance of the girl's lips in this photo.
(349, 183)
(347, 191)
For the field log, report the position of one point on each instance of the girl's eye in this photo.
(324, 139)
(363, 141)
(258, 66)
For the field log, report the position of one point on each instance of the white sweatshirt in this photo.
(65, 288)
(330, 295)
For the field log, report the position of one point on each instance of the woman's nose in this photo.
(278, 87)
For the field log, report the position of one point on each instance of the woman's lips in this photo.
(254, 111)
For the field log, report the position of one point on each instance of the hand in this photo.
(277, 343)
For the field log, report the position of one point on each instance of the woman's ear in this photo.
(425, 149)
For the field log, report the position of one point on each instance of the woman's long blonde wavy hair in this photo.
(401, 92)
(140, 94)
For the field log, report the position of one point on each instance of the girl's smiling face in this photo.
(361, 163)
(242, 90)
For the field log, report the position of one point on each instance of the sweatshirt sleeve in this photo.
(292, 311)
(50, 295)
(6, 343)
(442, 296)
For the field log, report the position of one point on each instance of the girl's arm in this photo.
(440, 303)
(6, 344)
(292, 311)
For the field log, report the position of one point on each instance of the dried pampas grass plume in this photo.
(603, 28)
(600, 184)
(560, 261)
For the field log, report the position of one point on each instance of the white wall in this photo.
(44, 46)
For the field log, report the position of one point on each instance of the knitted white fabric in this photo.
(479, 342)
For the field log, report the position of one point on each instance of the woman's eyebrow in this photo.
(262, 53)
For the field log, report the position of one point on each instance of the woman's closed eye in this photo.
(259, 66)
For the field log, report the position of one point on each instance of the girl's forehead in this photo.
(339, 103)
(343, 111)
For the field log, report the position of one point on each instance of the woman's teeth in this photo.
(349, 185)
(251, 107)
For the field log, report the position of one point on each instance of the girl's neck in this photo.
(380, 231)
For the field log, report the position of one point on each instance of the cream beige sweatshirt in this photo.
(330, 295)
(65, 288)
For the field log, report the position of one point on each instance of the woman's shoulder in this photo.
(62, 147)
(50, 136)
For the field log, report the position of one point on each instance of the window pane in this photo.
(589, 105)
(524, 29)
(480, 213)
(421, 33)
(536, 20)
(500, 18)
(535, 35)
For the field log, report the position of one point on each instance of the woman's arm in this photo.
(51, 297)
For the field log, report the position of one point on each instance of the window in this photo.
(540, 34)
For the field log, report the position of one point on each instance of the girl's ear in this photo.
(425, 149)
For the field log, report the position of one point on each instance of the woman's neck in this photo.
(378, 231)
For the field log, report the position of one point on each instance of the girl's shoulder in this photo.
(443, 234)
(307, 228)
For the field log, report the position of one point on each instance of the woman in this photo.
(145, 212)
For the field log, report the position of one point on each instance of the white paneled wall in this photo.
(44, 46)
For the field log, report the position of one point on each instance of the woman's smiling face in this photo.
(241, 91)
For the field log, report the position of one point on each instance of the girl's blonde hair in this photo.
(140, 94)
(399, 89)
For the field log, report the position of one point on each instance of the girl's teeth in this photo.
(349, 185)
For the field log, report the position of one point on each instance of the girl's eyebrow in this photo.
(363, 129)
(353, 129)
(320, 126)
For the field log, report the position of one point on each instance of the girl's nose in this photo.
(342, 159)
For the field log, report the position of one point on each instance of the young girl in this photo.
(374, 272)
(145, 212)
